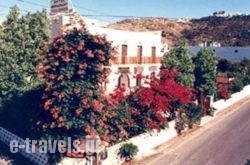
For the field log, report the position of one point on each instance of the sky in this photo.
(115, 10)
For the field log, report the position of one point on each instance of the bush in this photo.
(187, 116)
(152, 104)
(237, 85)
(128, 151)
(223, 92)
(74, 66)
(193, 114)
(180, 121)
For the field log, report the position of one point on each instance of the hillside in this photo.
(228, 31)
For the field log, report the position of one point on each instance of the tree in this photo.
(181, 58)
(244, 68)
(205, 73)
(74, 66)
(223, 65)
(21, 39)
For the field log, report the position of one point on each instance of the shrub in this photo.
(193, 114)
(180, 121)
(151, 104)
(223, 92)
(237, 85)
(128, 151)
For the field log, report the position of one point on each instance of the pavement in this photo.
(220, 140)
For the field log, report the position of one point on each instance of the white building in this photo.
(139, 53)
(209, 44)
(226, 14)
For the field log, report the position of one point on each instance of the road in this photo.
(223, 141)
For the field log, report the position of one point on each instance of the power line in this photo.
(84, 8)
(99, 13)
(87, 9)
(114, 16)
(97, 17)
(33, 3)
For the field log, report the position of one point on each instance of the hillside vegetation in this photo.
(228, 31)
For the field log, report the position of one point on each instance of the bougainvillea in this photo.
(151, 104)
(223, 92)
(73, 67)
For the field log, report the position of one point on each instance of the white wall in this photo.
(222, 104)
(114, 75)
(132, 39)
(148, 141)
(147, 40)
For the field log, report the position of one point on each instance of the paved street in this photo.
(223, 141)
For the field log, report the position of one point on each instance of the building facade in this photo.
(139, 53)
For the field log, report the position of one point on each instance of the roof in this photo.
(222, 80)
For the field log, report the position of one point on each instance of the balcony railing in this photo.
(138, 60)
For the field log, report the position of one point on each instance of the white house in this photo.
(139, 53)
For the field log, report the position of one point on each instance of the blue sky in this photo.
(137, 8)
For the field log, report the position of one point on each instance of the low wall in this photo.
(222, 104)
(148, 141)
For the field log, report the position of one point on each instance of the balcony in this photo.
(138, 60)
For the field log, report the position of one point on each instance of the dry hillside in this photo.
(229, 31)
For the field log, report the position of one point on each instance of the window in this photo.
(124, 53)
(123, 80)
(152, 76)
(139, 54)
(138, 80)
(153, 54)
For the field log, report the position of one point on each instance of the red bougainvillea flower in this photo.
(47, 104)
(97, 105)
(62, 95)
(101, 58)
(223, 91)
(150, 104)
(89, 53)
(60, 77)
(136, 112)
(101, 53)
(83, 65)
(78, 111)
(66, 58)
(84, 101)
(100, 67)
(145, 95)
(87, 129)
(55, 115)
